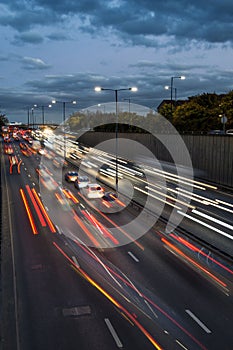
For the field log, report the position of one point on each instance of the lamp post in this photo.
(32, 114)
(42, 111)
(171, 87)
(64, 118)
(175, 89)
(223, 121)
(98, 89)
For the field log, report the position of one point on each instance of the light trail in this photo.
(113, 223)
(186, 257)
(205, 224)
(211, 218)
(192, 182)
(32, 223)
(100, 227)
(49, 222)
(200, 251)
(111, 298)
(170, 197)
(158, 198)
(37, 209)
(84, 228)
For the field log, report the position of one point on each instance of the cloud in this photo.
(58, 37)
(139, 22)
(34, 63)
(29, 38)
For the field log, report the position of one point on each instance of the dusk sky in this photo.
(62, 49)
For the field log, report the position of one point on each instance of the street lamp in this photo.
(42, 110)
(223, 121)
(182, 77)
(175, 89)
(134, 89)
(64, 118)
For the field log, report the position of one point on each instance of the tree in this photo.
(3, 119)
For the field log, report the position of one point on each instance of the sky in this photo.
(62, 49)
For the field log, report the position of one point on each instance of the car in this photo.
(47, 180)
(216, 132)
(41, 151)
(81, 181)
(93, 191)
(111, 203)
(229, 132)
(71, 176)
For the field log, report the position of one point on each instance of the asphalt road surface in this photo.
(58, 292)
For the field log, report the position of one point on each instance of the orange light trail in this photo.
(172, 246)
(115, 225)
(114, 301)
(32, 223)
(59, 198)
(144, 296)
(37, 209)
(195, 249)
(84, 228)
(50, 224)
(70, 196)
(99, 226)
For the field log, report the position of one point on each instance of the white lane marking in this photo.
(113, 333)
(58, 229)
(199, 322)
(133, 257)
(178, 342)
(75, 261)
(150, 308)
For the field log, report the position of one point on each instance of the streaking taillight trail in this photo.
(39, 210)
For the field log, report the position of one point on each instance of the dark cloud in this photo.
(29, 38)
(58, 37)
(139, 22)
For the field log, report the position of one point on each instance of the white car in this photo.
(81, 182)
(93, 191)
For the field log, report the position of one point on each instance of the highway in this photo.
(74, 277)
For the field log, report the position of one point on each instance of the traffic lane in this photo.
(180, 288)
(134, 308)
(45, 291)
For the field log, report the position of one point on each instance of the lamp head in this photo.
(98, 88)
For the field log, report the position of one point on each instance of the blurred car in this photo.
(229, 132)
(81, 181)
(8, 149)
(216, 132)
(41, 151)
(71, 176)
(47, 180)
(111, 203)
(93, 191)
